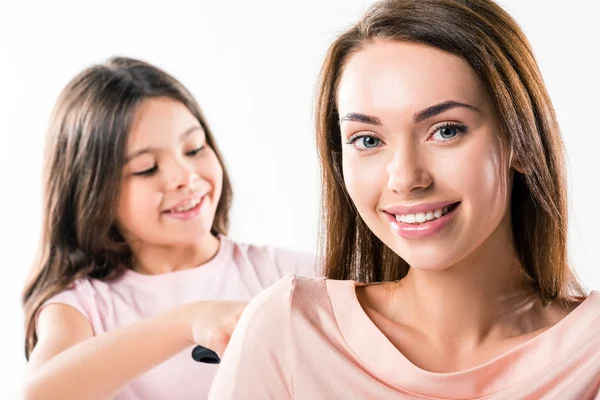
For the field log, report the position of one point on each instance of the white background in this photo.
(252, 66)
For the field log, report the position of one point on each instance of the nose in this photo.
(407, 172)
(181, 175)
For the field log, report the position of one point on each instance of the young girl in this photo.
(134, 250)
(445, 214)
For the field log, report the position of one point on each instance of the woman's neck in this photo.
(153, 259)
(484, 295)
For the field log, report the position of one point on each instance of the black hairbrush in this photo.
(202, 354)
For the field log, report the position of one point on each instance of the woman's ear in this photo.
(515, 163)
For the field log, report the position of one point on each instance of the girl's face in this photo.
(423, 161)
(172, 179)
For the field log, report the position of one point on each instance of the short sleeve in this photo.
(74, 297)
(256, 362)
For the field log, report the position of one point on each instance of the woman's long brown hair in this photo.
(84, 157)
(492, 43)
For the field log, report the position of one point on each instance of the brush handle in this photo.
(202, 354)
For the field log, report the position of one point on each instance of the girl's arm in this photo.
(69, 362)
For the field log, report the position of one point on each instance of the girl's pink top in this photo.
(311, 339)
(237, 272)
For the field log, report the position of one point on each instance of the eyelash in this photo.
(195, 151)
(461, 128)
(151, 171)
(147, 172)
(352, 139)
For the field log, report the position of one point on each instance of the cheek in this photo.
(137, 201)
(364, 179)
(209, 168)
(125, 204)
(480, 178)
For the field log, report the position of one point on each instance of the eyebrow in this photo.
(147, 150)
(357, 117)
(438, 109)
(420, 116)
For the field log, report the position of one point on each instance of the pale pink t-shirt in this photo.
(309, 339)
(237, 272)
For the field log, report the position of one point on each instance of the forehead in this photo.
(160, 119)
(401, 75)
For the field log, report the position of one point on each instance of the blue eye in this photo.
(448, 132)
(365, 142)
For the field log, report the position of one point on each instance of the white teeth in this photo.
(187, 206)
(421, 217)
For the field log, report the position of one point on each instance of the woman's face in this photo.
(172, 179)
(422, 156)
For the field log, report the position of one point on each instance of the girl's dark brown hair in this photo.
(84, 158)
(484, 35)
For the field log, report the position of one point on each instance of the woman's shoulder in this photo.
(300, 298)
(290, 289)
(292, 293)
(580, 310)
(589, 309)
(257, 359)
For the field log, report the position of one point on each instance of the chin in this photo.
(193, 235)
(429, 267)
(189, 236)
(430, 258)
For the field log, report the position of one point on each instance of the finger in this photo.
(222, 345)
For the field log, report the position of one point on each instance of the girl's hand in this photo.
(213, 322)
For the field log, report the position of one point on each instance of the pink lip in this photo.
(417, 208)
(189, 214)
(182, 202)
(425, 229)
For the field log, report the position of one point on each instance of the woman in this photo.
(446, 227)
